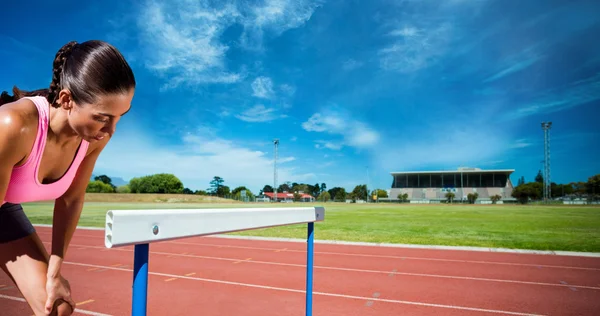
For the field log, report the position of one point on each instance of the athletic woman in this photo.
(49, 142)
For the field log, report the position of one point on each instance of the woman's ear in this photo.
(65, 100)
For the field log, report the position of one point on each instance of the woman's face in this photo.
(95, 121)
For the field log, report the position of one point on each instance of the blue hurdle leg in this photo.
(140, 280)
(309, 268)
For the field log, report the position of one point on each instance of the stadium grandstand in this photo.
(432, 186)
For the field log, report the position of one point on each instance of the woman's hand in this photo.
(58, 289)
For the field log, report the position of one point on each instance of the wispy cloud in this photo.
(521, 143)
(327, 144)
(575, 94)
(415, 48)
(287, 89)
(181, 40)
(274, 17)
(522, 61)
(262, 87)
(336, 122)
(201, 156)
(260, 113)
(182, 43)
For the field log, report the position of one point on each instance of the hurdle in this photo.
(140, 228)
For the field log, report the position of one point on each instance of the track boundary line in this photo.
(370, 255)
(77, 310)
(390, 245)
(303, 291)
(168, 254)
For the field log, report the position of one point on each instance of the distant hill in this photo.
(115, 180)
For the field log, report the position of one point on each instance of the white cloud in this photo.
(288, 89)
(325, 144)
(259, 113)
(415, 48)
(262, 87)
(521, 143)
(355, 133)
(181, 40)
(275, 17)
(199, 158)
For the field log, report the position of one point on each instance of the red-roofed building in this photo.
(289, 197)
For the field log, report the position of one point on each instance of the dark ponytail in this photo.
(87, 70)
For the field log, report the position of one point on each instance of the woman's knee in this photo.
(34, 291)
(25, 261)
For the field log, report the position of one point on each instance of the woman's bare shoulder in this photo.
(18, 127)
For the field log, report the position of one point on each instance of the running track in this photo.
(222, 276)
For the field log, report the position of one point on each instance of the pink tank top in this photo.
(24, 185)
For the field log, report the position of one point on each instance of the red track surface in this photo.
(218, 276)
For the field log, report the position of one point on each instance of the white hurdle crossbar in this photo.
(142, 227)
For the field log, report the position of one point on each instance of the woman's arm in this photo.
(67, 209)
(15, 135)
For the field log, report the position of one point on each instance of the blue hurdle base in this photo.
(309, 268)
(140, 275)
(140, 279)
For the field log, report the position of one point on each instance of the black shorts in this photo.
(14, 224)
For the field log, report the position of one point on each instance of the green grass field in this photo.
(540, 227)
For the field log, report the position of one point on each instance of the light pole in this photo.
(546, 128)
(276, 143)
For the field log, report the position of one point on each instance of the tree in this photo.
(123, 189)
(156, 183)
(236, 194)
(284, 187)
(216, 184)
(239, 189)
(495, 198)
(593, 185)
(323, 187)
(403, 197)
(105, 179)
(338, 194)
(524, 192)
(265, 189)
(380, 193)
(539, 178)
(223, 191)
(472, 197)
(359, 192)
(450, 197)
(99, 187)
(324, 196)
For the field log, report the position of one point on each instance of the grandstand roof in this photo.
(459, 170)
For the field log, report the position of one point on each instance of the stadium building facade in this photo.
(432, 186)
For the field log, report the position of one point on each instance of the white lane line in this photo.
(303, 266)
(303, 291)
(364, 255)
(77, 310)
(389, 257)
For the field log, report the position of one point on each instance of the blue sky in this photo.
(351, 88)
